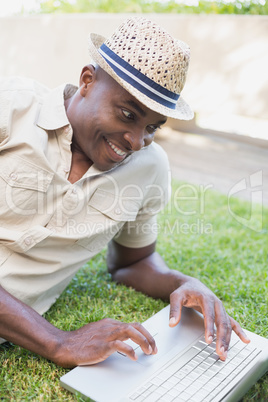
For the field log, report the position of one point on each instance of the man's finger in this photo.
(125, 349)
(176, 303)
(149, 345)
(137, 334)
(209, 320)
(239, 331)
(224, 330)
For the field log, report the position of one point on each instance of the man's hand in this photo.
(144, 270)
(96, 341)
(193, 293)
(89, 344)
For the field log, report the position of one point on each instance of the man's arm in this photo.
(144, 270)
(89, 344)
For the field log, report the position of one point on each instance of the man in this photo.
(80, 171)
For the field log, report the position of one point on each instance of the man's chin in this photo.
(105, 167)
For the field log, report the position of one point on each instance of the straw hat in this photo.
(145, 60)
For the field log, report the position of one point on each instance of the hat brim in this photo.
(182, 111)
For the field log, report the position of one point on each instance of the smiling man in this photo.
(117, 126)
(79, 170)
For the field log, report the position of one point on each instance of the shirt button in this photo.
(74, 190)
(66, 129)
(28, 241)
(118, 211)
(13, 176)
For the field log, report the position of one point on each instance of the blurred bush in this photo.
(153, 6)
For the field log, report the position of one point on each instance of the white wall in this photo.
(228, 69)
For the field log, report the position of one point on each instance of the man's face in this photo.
(108, 123)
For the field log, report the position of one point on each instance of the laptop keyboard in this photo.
(198, 375)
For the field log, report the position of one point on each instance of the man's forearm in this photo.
(23, 326)
(90, 344)
(150, 276)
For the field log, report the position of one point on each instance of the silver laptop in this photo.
(184, 369)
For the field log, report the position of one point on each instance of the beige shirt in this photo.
(49, 227)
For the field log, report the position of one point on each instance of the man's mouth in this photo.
(117, 150)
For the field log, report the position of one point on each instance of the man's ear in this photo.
(87, 77)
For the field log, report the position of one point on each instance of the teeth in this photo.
(116, 150)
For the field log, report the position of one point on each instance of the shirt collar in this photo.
(52, 113)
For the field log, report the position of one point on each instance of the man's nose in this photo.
(136, 139)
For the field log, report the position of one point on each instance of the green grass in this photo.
(207, 243)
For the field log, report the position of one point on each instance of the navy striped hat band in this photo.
(138, 80)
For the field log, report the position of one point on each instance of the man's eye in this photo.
(152, 129)
(128, 114)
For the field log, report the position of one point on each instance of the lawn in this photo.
(200, 237)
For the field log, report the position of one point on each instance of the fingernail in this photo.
(172, 321)
(210, 339)
(223, 352)
(150, 350)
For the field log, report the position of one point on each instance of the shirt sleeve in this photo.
(144, 229)
(5, 102)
